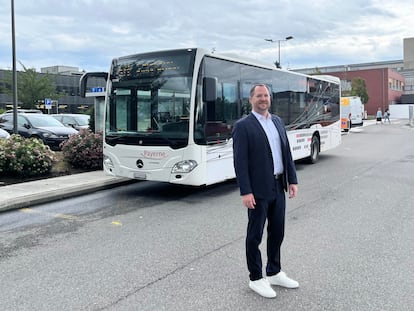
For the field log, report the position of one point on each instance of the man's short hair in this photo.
(259, 84)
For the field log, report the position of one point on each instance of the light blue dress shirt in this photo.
(274, 141)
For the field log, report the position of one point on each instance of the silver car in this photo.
(77, 121)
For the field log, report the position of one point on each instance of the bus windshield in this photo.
(149, 102)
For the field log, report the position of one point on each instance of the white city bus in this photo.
(169, 114)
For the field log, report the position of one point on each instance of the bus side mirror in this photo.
(209, 89)
(84, 80)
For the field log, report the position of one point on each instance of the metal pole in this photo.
(278, 44)
(280, 66)
(14, 72)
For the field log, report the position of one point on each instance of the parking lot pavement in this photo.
(46, 190)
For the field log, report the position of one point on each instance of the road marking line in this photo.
(58, 215)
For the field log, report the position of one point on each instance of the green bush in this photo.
(25, 156)
(84, 150)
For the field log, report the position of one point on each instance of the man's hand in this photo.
(249, 201)
(293, 190)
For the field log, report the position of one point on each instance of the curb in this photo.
(53, 189)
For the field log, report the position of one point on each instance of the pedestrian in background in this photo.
(387, 116)
(264, 170)
(379, 116)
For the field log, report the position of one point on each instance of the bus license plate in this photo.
(140, 175)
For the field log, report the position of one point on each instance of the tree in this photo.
(31, 87)
(358, 88)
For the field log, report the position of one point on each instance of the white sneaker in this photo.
(263, 288)
(281, 279)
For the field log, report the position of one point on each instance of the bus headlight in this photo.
(184, 166)
(107, 162)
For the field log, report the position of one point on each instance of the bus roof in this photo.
(328, 78)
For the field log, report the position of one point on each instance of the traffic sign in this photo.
(48, 103)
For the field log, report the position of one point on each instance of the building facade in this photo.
(385, 86)
(384, 81)
(66, 80)
(388, 82)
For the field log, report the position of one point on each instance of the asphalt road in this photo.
(151, 246)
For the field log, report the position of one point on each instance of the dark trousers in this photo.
(274, 211)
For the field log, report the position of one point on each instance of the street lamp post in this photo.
(278, 42)
(15, 129)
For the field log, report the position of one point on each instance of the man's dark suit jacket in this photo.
(253, 160)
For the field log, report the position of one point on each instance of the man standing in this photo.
(264, 170)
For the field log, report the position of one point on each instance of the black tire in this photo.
(314, 150)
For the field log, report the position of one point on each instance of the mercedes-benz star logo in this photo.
(140, 163)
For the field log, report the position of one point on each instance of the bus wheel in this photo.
(314, 156)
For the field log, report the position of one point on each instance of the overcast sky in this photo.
(89, 33)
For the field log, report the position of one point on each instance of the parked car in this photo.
(43, 126)
(4, 134)
(77, 121)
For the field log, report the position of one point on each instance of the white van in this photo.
(352, 112)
